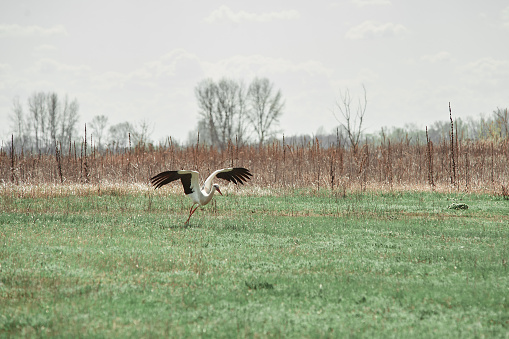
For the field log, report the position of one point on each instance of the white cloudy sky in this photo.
(135, 60)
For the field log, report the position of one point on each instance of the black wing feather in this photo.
(166, 177)
(186, 183)
(236, 175)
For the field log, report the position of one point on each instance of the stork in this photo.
(190, 182)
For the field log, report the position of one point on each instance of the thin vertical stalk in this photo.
(12, 157)
(453, 164)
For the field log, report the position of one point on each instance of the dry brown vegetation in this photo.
(465, 166)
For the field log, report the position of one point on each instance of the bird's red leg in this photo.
(191, 211)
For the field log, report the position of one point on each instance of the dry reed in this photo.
(388, 165)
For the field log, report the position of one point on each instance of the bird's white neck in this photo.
(206, 197)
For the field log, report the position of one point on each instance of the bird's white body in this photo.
(201, 196)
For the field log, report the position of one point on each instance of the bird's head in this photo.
(216, 186)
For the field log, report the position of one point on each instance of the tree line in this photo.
(491, 128)
(229, 111)
(120, 135)
(46, 120)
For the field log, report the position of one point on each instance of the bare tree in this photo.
(18, 123)
(222, 109)
(141, 133)
(63, 122)
(118, 135)
(205, 93)
(351, 123)
(53, 115)
(200, 132)
(48, 120)
(68, 120)
(36, 105)
(227, 109)
(241, 128)
(98, 124)
(502, 120)
(265, 107)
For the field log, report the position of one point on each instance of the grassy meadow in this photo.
(117, 261)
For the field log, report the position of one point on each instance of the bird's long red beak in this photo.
(217, 188)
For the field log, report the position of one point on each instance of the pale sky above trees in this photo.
(140, 61)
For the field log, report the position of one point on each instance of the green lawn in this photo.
(120, 263)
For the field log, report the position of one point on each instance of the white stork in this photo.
(190, 182)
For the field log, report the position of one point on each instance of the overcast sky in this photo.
(136, 60)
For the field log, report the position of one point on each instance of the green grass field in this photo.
(120, 263)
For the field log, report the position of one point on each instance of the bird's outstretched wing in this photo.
(235, 175)
(189, 179)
